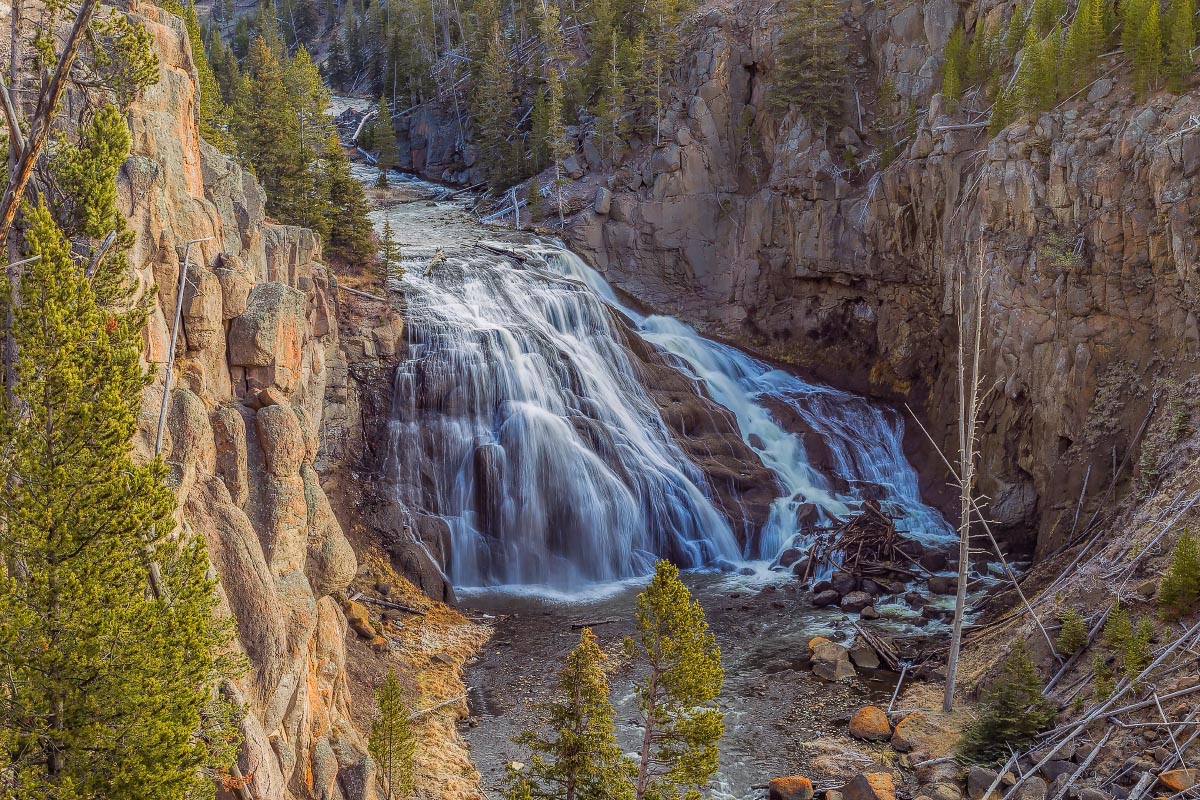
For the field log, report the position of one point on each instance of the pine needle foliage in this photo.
(1073, 636)
(580, 760)
(1180, 27)
(392, 742)
(107, 685)
(385, 142)
(810, 61)
(1013, 711)
(1179, 592)
(492, 108)
(680, 680)
(85, 173)
(389, 255)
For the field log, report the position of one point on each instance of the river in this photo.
(523, 420)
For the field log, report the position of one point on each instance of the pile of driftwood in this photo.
(867, 544)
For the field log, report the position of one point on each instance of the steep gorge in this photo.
(280, 384)
(755, 229)
(800, 247)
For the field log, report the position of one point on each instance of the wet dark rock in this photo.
(942, 584)
(871, 587)
(869, 613)
(830, 661)
(855, 601)
(800, 567)
(844, 582)
(1092, 793)
(863, 655)
(822, 586)
(826, 598)
(933, 561)
(790, 556)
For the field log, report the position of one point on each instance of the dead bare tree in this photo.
(969, 310)
(26, 145)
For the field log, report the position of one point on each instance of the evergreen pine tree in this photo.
(1105, 683)
(1013, 710)
(556, 140)
(225, 69)
(392, 742)
(1014, 36)
(539, 135)
(1118, 628)
(492, 107)
(385, 142)
(1047, 14)
(979, 55)
(1074, 634)
(581, 759)
(611, 106)
(86, 175)
(681, 677)
(106, 684)
(535, 200)
(1137, 649)
(267, 128)
(811, 61)
(350, 239)
(1147, 54)
(1085, 42)
(954, 66)
(389, 255)
(1180, 39)
(1179, 592)
(1004, 108)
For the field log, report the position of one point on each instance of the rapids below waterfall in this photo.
(523, 418)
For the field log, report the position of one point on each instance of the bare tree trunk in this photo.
(970, 334)
(39, 126)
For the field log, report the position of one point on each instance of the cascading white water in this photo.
(863, 440)
(519, 418)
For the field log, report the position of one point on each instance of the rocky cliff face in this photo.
(269, 413)
(762, 232)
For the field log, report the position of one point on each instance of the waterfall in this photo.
(862, 441)
(520, 419)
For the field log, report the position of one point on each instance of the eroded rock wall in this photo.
(248, 432)
(762, 232)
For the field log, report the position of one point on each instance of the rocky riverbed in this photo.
(781, 719)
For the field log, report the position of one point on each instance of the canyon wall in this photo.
(270, 406)
(762, 232)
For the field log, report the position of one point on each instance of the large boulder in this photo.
(267, 339)
(870, 786)
(830, 661)
(1178, 780)
(793, 787)
(870, 723)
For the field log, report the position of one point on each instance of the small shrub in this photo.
(1013, 711)
(1137, 649)
(1117, 629)
(1105, 684)
(1074, 634)
(1179, 591)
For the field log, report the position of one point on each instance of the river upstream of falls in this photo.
(528, 416)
